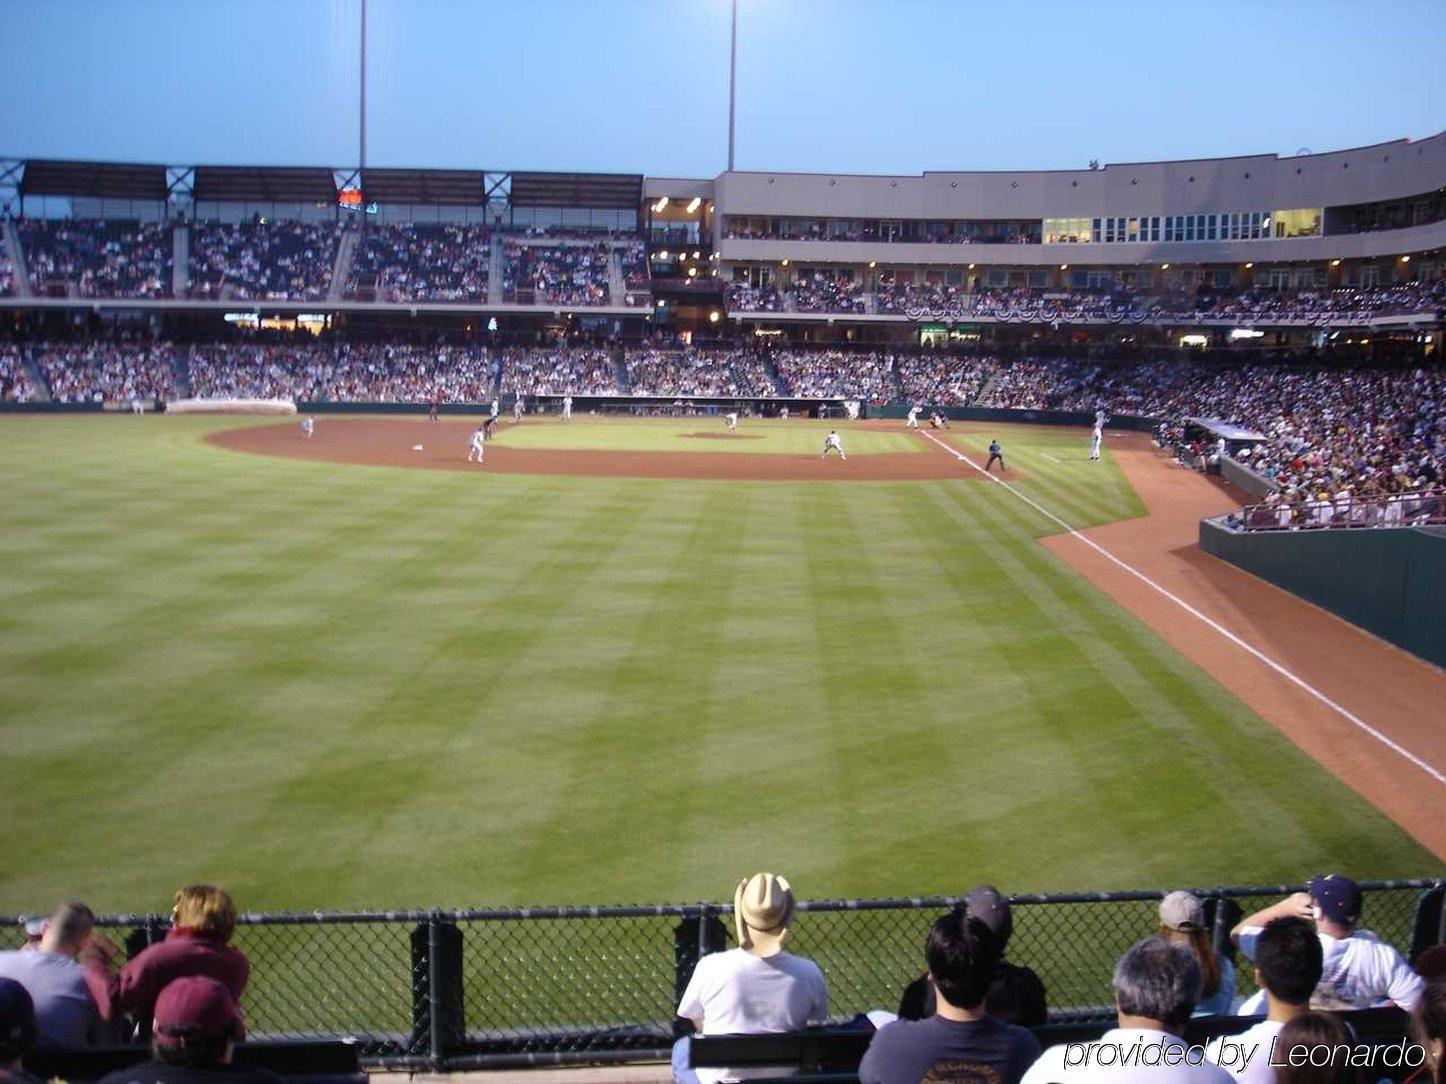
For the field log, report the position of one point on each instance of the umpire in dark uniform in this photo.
(996, 451)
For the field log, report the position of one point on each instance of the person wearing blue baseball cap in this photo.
(1359, 970)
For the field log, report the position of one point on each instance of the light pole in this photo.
(732, 81)
(363, 111)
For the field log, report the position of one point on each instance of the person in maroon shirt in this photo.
(197, 943)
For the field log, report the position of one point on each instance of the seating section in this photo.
(320, 372)
(575, 275)
(7, 272)
(633, 258)
(829, 374)
(263, 260)
(97, 372)
(97, 258)
(698, 373)
(420, 262)
(15, 385)
(585, 371)
(942, 379)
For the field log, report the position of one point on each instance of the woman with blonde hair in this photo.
(198, 943)
(1182, 922)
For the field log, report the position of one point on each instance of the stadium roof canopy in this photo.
(462, 187)
(100, 180)
(268, 184)
(577, 190)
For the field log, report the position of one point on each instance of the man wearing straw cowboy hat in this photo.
(756, 988)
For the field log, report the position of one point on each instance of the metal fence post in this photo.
(438, 1020)
(1429, 926)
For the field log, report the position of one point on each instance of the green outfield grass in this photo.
(331, 686)
(755, 435)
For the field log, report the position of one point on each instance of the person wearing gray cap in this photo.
(1016, 995)
(1182, 922)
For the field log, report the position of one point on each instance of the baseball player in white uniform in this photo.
(478, 447)
(517, 407)
(495, 409)
(833, 443)
(732, 419)
(783, 413)
(567, 408)
(1097, 436)
(913, 422)
(308, 426)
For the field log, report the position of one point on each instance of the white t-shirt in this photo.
(737, 993)
(1124, 1056)
(1247, 1055)
(1358, 972)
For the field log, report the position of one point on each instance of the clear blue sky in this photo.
(864, 86)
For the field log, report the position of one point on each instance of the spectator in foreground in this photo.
(1156, 985)
(197, 943)
(1016, 995)
(1287, 968)
(65, 1014)
(195, 1030)
(1430, 1025)
(1359, 971)
(1182, 922)
(756, 988)
(1304, 1037)
(17, 1031)
(960, 1041)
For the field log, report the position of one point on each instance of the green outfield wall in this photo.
(1389, 581)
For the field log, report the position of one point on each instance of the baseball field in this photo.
(328, 677)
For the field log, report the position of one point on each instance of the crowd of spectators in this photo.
(346, 372)
(7, 271)
(633, 260)
(99, 258)
(421, 262)
(942, 379)
(699, 373)
(1358, 431)
(829, 293)
(741, 297)
(574, 275)
(263, 259)
(1312, 958)
(837, 374)
(584, 371)
(15, 386)
(105, 372)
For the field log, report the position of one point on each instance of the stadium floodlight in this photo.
(1064, 267)
(785, 261)
(714, 316)
(1164, 267)
(697, 255)
(1249, 265)
(663, 255)
(1405, 259)
(873, 263)
(660, 206)
(695, 203)
(1335, 263)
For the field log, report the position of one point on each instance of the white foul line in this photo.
(1301, 683)
(1051, 458)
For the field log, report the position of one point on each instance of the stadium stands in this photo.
(320, 372)
(698, 373)
(421, 262)
(942, 379)
(830, 374)
(587, 371)
(265, 260)
(575, 275)
(15, 386)
(106, 372)
(97, 258)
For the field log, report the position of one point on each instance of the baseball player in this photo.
(476, 449)
(913, 422)
(938, 421)
(996, 451)
(517, 407)
(308, 426)
(567, 407)
(432, 407)
(1097, 436)
(496, 410)
(833, 443)
(783, 413)
(732, 419)
(488, 426)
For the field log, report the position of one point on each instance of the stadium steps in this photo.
(341, 269)
(181, 365)
(494, 271)
(20, 279)
(985, 391)
(620, 368)
(617, 287)
(779, 384)
(37, 378)
(181, 260)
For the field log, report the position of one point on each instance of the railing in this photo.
(446, 989)
(1425, 509)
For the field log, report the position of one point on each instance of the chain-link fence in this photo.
(450, 988)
